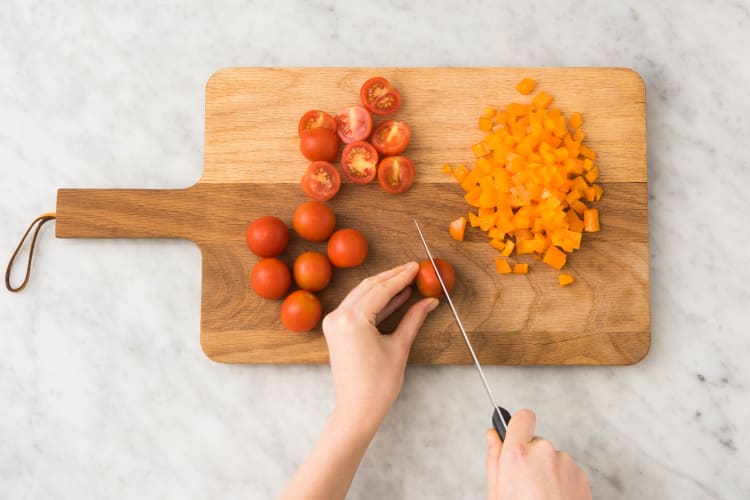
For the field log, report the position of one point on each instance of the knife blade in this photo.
(500, 416)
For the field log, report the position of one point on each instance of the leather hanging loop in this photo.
(38, 222)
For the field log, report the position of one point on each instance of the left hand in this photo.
(367, 366)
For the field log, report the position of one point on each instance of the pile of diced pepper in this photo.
(532, 183)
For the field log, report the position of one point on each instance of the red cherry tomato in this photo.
(321, 181)
(267, 236)
(312, 271)
(391, 137)
(379, 96)
(301, 311)
(270, 278)
(316, 119)
(359, 162)
(347, 248)
(427, 281)
(353, 124)
(319, 144)
(396, 174)
(314, 221)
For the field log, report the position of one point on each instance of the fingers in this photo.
(407, 330)
(521, 427)
(494, 447)
(368, 283)
(396, 302)
(383, 290)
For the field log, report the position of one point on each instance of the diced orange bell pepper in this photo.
(526, 86)
(532, 181)
(565, 279)
(575, 120)
(521, 269)
(447, 169)
(541, 100)
(458, 228)
(502, 266)
(555, 257)
(591, 220)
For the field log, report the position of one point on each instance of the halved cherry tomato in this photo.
(396, 174)
(353, 124)
(319, 144)
(321, 181)
(347, 248)
(359, 162)
(270, 278)
(379, 96)
(314, 221)
(301, 311)
(391, 137)
(312, 271)
(267, 236)
(427, 281)
(316, 119)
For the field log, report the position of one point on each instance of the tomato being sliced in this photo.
(391, 137)
(353, 124)
(379, 96)
(427, 280)
(321, 181)
(319, 144)
(316, 119)
(359, 162)
(396, 174)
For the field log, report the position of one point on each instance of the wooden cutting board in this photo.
(252, 167)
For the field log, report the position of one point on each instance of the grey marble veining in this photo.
(104, 392)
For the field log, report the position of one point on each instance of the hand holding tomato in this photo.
(368, 367)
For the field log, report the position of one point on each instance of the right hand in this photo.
(525, 467)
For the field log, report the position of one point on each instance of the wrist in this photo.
(357, 419)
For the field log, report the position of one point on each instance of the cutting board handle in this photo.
(123, 213)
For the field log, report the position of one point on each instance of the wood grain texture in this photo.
(251, 158)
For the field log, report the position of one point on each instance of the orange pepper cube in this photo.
(521, 269)
(525, 86)
(575, 120)
(485, 124)
(502, 266)
(555, 257)
(542, 100)
(565, 279)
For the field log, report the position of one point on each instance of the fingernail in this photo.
(410, 266)
(433, 304)
(489, 436)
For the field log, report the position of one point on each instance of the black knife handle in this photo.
(499, 413)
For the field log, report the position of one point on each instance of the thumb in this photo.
(407, 329)
(494, 447)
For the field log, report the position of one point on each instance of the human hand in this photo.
(529, 468)
(367, 366)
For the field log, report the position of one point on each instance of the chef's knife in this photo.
(500, 416)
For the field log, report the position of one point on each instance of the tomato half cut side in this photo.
(379, 96)
(316, 119)
(321, 181)
(359, 162)
(396, 174)
(391, 137)
(353, 124)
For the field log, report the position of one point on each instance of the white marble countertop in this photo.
(104, 390)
